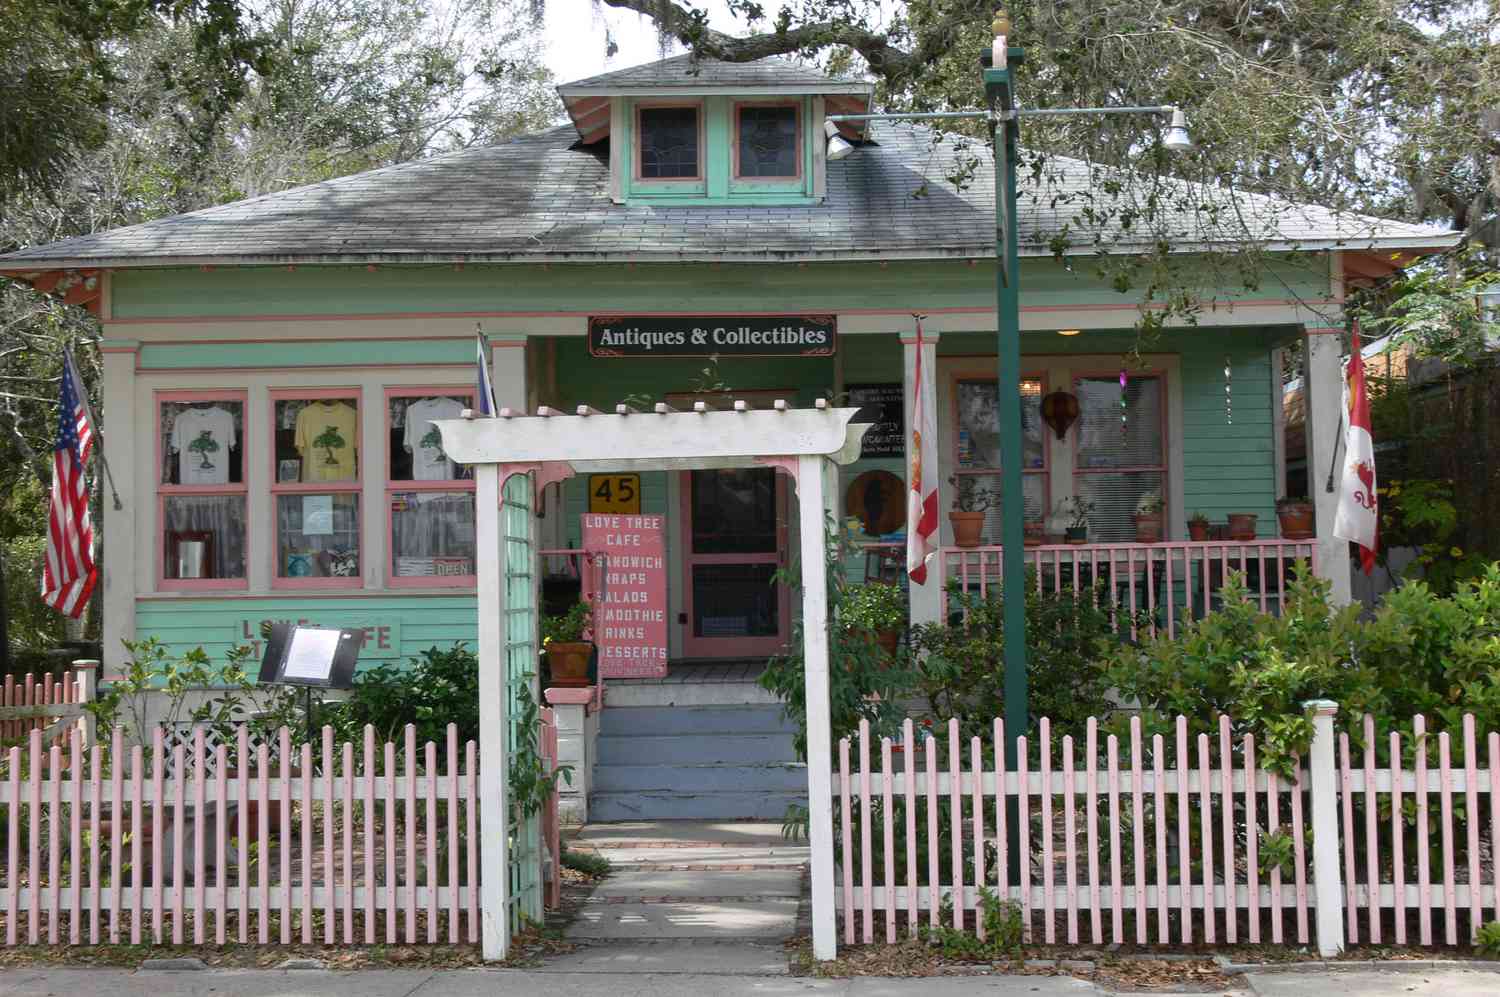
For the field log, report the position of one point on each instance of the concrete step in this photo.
(771, 918)
(654, 692)
(745, 719)
(694, 749)
(733, 805)
(785, 776)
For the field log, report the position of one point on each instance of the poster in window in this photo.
(883, 406)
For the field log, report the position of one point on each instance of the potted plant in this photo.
(1295, 516)
(1242, 525)
(878, 609)
(1076, 508)
(1149, 516)
(568, 653)
(1198, 527)
(1036, 532)
(969, 505)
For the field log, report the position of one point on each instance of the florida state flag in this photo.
(921, 501)
(1358, 516)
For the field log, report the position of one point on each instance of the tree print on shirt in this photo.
(204, 445)
(328, 439)
(433, 440)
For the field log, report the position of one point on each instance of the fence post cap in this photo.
(1321, 707)
(94, 663)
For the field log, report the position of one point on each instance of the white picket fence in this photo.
(1166, 848)
(252, 842)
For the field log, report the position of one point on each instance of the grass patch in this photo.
(590, 864)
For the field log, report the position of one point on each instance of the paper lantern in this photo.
(1060, 410)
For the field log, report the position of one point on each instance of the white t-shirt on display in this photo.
(421, 438)
(202, 438)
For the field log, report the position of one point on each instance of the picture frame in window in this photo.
(289, 469)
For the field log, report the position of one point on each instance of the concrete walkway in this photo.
(55, 982)
(688, 896)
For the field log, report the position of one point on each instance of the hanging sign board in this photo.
(881, 405)
(615, 493)
(630, 616)
(712, 335)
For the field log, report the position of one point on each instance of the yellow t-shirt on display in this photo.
(326, 440)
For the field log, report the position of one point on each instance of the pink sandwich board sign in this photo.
(630, 625)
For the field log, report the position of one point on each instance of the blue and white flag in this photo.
(487, 406)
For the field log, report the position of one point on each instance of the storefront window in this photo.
(316, 467)
(318, 536)
(978, 444)
(201, 489)
(1121, 463)
(430, 498)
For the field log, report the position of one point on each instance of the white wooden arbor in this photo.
(805, 444)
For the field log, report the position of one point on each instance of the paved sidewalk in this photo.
(46, 982)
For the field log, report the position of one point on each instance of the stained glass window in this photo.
(669, 143)
(768, 141)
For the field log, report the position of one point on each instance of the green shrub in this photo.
(438, 688)
(591, 864)
(1420, 654)
(962, 670)
(1488, 940)
(568, 628)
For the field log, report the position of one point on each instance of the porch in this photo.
(1158, 585)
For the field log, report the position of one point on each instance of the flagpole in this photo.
(1333, 462)
(71, 370)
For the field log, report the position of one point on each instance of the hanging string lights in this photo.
(1124, 415)
(1228, 393)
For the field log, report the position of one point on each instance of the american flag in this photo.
(69, 576)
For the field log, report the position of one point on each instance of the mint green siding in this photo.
(588, 288)
(411, 623)
(161, 356)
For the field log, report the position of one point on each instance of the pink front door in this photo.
(734, 541)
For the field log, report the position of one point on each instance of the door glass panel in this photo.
(734, 511)
(735, 600)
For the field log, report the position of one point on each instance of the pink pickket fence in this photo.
(367, 843)
(30, 702)
(1158, 842)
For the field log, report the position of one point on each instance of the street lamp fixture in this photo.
(838, 146)
(1177, 138)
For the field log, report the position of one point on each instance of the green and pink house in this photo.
(272, 367)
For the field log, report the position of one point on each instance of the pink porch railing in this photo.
(1166, 581)
(1169, 840)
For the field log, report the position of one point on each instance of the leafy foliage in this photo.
(962, 672)
(863, 684)
(569, 627)
(1420, 654)
(873, 607)
(438, 688)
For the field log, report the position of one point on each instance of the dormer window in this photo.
(670, 146)
(768, 141)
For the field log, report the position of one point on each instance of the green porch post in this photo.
(997, 87)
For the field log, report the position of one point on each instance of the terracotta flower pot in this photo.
(888, 640)
(1242, 525)
(967, 527)
(1296, 520)
(570, 663)
(1199, 530)
(1148, 527)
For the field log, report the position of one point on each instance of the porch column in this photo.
(494, 850)
(816, 486)
(119, 554)
(1323, 381)
(926, 599)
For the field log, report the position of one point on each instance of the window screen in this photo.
(768, 141)
(1120, 461)
(669, 143)
(979, 446)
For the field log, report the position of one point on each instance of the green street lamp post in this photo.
(1004, 117)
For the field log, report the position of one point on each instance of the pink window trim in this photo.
(1045, 471)
(393, 485)
(635, 159)
(354, 487)
(164, 491)
(795, 105)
